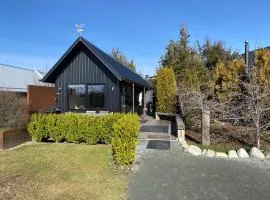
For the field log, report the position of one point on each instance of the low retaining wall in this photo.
(159, 114)
(13, 137)
(180, 127)
(179, 123)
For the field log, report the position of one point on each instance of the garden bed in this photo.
(12, 137)
(225, 136)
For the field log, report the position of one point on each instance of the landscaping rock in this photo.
(256, 153)
(210, 153)
(221, 155)
(204, 152)
(232, 154)
(184, 144)
(267, 156)
(242, 153)
(196, 151)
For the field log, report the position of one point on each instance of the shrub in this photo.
(124, 139)
(120, 130)
(11, 109)
(37, 128)
(166, 90)
(107, 133)
(73, 128)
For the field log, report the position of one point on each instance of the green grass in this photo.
(60, 171)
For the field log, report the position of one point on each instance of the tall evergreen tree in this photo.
(184, 60)
(120, 57)
(215, 52)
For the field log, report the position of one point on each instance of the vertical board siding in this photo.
(82, 67)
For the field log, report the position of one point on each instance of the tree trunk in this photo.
(205, 127)
(258, 138)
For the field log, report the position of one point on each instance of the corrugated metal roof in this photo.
(119, 70)
(17, 78)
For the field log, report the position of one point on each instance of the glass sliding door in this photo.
(96, 96)
(84, 97)
(77, 97)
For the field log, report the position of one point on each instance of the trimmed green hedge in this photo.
(120, 130)
(124, 140)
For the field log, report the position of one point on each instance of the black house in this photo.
(88, 79)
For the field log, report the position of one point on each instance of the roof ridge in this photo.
(87, 43)
(17, 67)
(119, 70)
(108, 54)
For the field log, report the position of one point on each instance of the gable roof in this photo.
(118, 69)
(16, 79)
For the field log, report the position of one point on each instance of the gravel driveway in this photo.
(173, 174)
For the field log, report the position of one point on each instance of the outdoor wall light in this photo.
(59, 91)
(113, 88)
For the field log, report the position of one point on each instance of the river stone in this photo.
(196, 151)
(242, 153)
(210, 153)
(204, 152)
(221, 155)
(232, 154)
(256, 153)
(267, 155)
(184, 144)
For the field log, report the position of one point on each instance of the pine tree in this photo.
(184, 60)
(118, 55)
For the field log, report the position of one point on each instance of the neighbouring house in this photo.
(34, 95)
(88, 79)
(249, 56)
(16, 79)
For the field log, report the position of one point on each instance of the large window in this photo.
(95, 96)
(76, 97)
(81, 97)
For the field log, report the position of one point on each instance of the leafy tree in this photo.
(184, 60)
(120, 57)
(166, 90)
(227, 77)
(215, 52)
(261, 67)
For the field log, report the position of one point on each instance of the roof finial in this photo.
(80, 28)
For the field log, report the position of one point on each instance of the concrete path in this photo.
(172, 174)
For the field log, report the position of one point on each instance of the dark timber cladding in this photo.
(86, 65)
(83, 67)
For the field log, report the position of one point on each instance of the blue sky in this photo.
(35, 34)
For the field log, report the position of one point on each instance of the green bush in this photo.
(75, 128)
(107, 128)
(166, 90)
(124, 139)
(120, 130)
(37, 127)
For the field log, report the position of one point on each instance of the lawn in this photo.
(60, 171)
